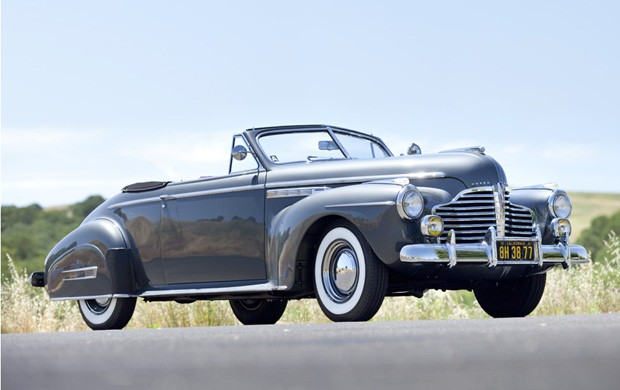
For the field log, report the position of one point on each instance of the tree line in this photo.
(29, 233)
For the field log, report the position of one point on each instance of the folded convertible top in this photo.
(145, 186)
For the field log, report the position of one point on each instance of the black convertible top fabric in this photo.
(145, 186)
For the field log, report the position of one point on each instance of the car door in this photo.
(213, 230)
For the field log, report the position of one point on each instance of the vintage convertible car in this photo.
(317, 212)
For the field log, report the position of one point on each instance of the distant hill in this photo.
(587, 206)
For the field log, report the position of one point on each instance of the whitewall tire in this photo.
(350, 281)
(107, 313)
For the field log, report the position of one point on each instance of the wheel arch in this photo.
(295, 232)
(93, 260)
(308, 247)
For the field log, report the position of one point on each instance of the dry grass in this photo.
(591, 288)
(27, 310)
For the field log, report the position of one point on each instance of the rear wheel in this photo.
(107, 313)
(350, 281)
(512, 298)
(258, 311)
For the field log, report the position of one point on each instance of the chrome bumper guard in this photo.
(452, 253)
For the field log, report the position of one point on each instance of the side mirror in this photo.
(328, 145)
(414, 149)
(239, 152)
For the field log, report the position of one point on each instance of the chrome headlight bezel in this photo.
(559, 204)
(410, 202)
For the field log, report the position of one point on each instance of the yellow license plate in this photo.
(516, 250)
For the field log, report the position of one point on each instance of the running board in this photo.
(250, 288)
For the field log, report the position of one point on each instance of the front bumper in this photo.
(452, 254)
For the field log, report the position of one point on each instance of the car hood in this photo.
(471, 168)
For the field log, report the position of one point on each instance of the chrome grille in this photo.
(473, 211)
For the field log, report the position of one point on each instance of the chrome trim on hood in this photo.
(294, 192)
(356, 179)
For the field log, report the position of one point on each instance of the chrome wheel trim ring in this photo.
(339, 306)
(97, 311)
(98, 306)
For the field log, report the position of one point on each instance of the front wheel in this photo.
(511, 298)
(349, 280)
(107, 313)
(258, 311)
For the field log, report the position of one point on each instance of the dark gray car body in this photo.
(255, 233)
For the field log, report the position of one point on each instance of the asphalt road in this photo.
(568, 352)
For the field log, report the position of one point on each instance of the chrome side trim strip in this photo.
(105, 296)
(400, 181)
(81, 273)
(294, 192)
(252, 288)
(385, 203)
(134, 202)
(217, 191)
(185, 195)
(357, 179)
(84, 297)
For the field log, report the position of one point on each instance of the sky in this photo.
(99, 94)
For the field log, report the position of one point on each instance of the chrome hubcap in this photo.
(98, 306)
(346, 271)
(340, 271)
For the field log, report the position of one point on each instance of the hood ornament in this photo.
(414, 149)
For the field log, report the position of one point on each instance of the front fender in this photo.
(370, 207)
(91, 261)
(536, 199)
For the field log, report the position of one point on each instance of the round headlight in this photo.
(559, 204)
(409, 202)
(431, 225)
(561, 227)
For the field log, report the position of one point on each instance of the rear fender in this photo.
(92, 261)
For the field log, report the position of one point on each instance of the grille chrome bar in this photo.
(499, 201)
(473, 211)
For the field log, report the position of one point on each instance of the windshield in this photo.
(305, 146)
(359, 147)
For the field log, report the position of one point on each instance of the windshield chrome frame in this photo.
(253, 136)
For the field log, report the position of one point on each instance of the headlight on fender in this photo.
(409, 202)
(559, 204)
(561, 227)
(431, 225)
